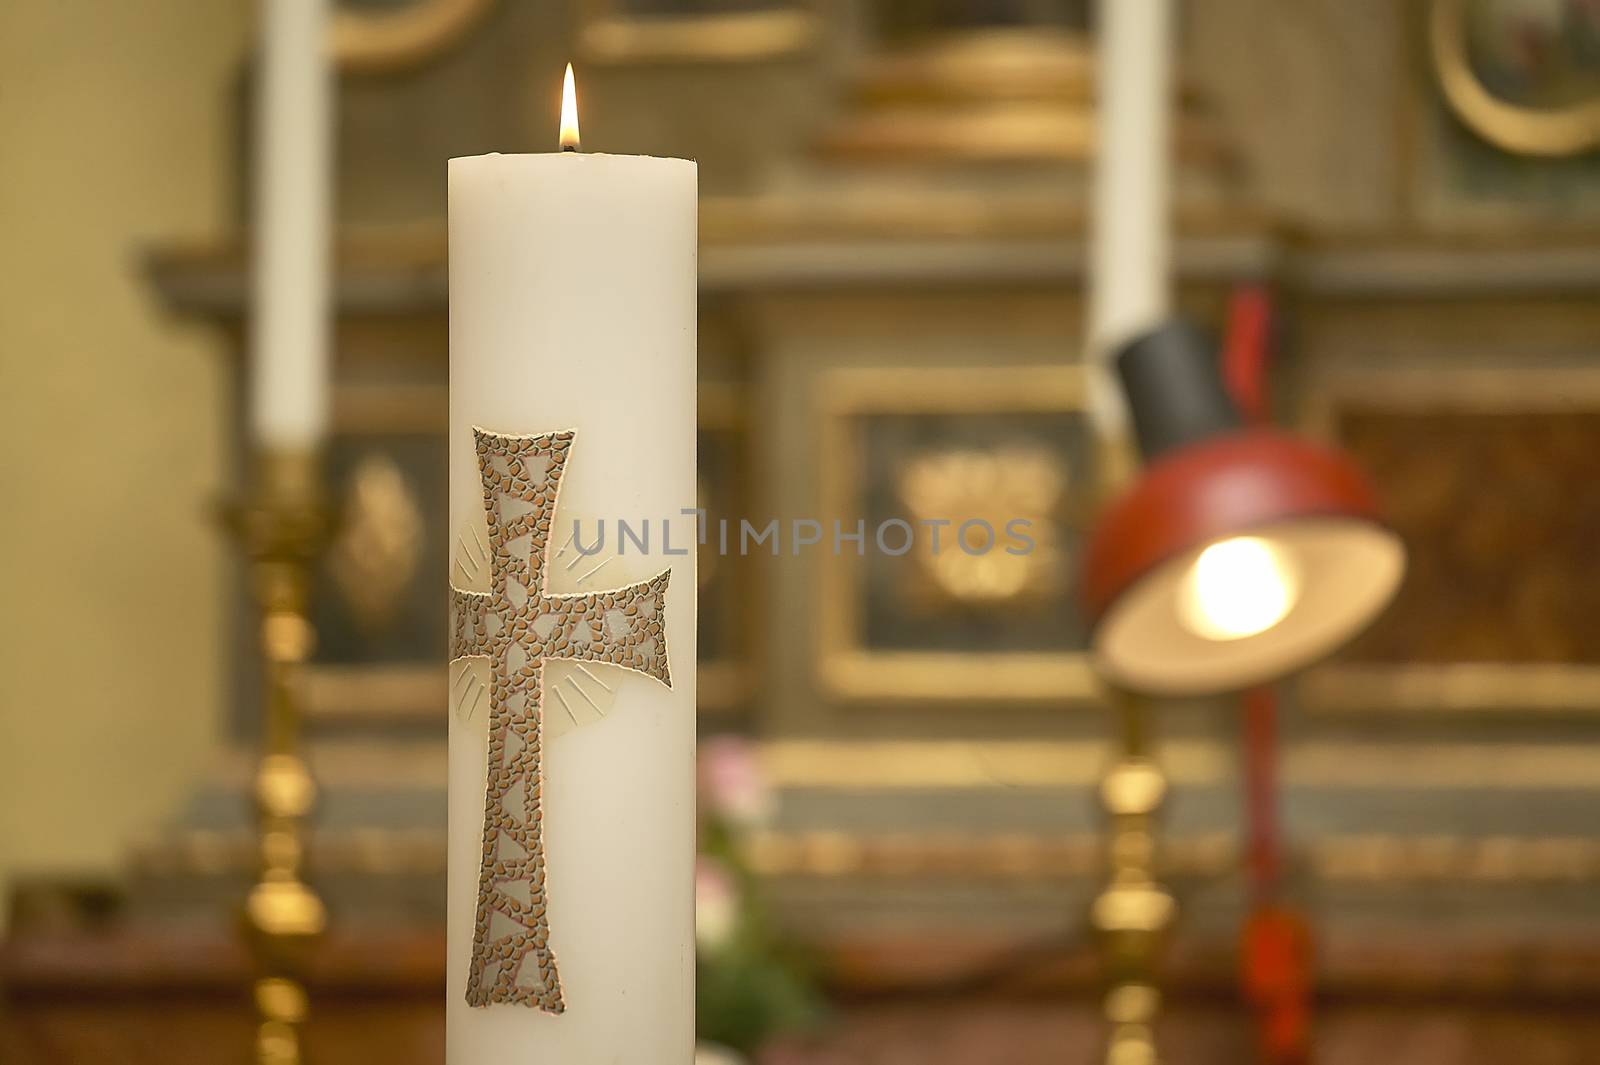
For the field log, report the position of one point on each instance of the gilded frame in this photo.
(1562, 131)
(725, 683)
(848, 671)
(608, 34)
(1458, 687)
(407, 692)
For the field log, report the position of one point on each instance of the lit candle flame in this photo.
(569, 113)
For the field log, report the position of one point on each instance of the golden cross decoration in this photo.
(516, 628)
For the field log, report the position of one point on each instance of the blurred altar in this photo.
(892, 305)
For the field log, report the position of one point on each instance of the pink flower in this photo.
(732, 784)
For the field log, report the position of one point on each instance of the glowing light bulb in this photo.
(1237, 587)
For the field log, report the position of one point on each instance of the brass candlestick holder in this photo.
(1132, 914)
(282, 528)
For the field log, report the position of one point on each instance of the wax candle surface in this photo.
(573, 307)
(289, 367)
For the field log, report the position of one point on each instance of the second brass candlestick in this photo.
(282, 529)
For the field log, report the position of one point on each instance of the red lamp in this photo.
(1241, 554)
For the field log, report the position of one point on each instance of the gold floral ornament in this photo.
(994, 486)
(515, 629)
(380, 542)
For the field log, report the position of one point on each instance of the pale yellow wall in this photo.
(113, 133)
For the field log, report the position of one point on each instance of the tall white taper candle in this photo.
(293, 185)
(573, 306)
(1130, 249)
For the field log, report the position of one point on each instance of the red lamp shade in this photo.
(1239, 555)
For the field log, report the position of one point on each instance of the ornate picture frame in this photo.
(1559, 130)
(385, 471)
(1474, 158)
(1507, 400)
(1044, 408)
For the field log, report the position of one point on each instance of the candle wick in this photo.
(569, 147)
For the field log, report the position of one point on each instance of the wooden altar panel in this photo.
(1500, 517)
(1487, 473)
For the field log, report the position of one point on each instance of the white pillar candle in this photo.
(1130, 249)
(293, 184)
(573, 307)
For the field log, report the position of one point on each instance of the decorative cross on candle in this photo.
(516, 628)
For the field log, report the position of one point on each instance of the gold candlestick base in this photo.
(282, 528)
(1132, 914)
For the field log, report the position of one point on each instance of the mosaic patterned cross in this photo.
(516, 627)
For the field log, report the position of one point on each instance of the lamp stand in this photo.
(1133, 912)
(1275, 946)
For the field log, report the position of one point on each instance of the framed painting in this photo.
(1505, 128)
(968, 453)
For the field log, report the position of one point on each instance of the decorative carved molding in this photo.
(610, 34)
(1376, 858)
(402, 38)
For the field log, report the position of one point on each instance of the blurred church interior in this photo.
(902, 755)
